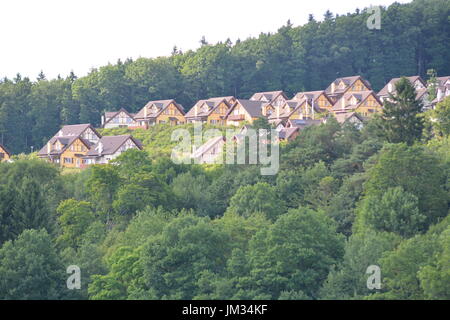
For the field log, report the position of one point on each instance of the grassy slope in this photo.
(157, 139)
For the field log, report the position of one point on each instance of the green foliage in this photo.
(30, 268)
(418, 172)
(349, 279)
(402, 121)
(293, 59)
(395, 211)
(295, 253)
(74, 218)
(174, 262)
(441, 117)
(260, 197)
(102, 185)
(144, 227)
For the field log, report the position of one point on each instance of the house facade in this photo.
(161, 111)
(274, 98)
(366, 103)
(208, 111)
(76, 146)
(349, 117)
(109, 148)
(419, 84)
(319, 99)
(68, 147)
(246, 111)
(442, 90)
(295, 109)
(210, 151)
(5, 155)
(119, 119)
(344, 85)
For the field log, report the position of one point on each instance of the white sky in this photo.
(60, 35)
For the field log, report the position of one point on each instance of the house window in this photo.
(68, 160)
(2, 155)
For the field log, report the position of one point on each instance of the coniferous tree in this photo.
(401, 120)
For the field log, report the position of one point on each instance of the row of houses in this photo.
(342, 98)
(348, 99)
(80, 145)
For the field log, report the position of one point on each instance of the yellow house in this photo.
(210, 111)
(365, 103)
(72, 156)
(161, 111)
(341, 86)
(295, 110)
(246, 111)
(275, 98)
(70, 144)
(5, 155)
(319, 99)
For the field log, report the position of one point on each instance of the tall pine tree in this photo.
(401, 121)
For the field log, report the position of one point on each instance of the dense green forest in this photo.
(413, 38)
(344, 198)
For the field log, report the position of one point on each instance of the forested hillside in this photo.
(414, 37)
(344, 199)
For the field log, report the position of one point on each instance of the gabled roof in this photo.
(286, 133)
(227, 98)
(160, 105)
(253, 107)
(302, 123)
(293, 106)
(211, 105)
(269, 96)
(420, 93)
(360, 96)
(111, 115)
(311, 95)
(277, 122)
(111, 144)
(342, 117)
(67, 135)
(5, 150)
(442, 80)
(385, 91)
(348, 81)
(207, 146)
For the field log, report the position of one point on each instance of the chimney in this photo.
(103, 120)
(145, 112)
(333, 87)
(390, 87)
(195, 110)
(49, 147)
